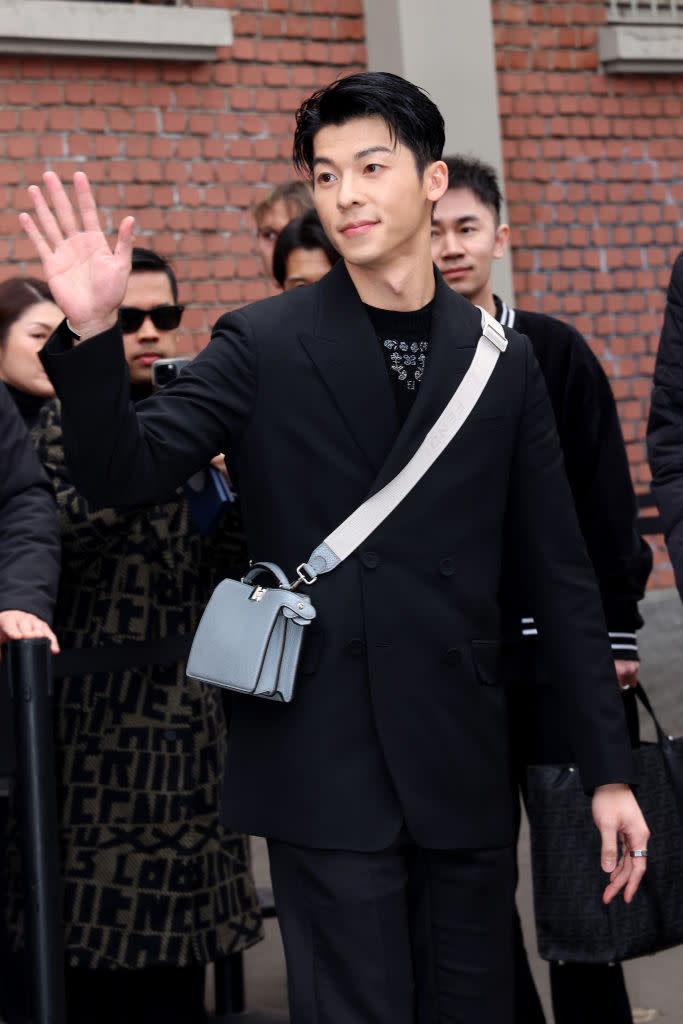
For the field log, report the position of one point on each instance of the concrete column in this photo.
(446, 47)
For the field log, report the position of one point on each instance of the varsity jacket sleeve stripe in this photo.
(597, 468)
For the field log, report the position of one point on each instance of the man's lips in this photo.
(359, 227)
(147, 358)
(453, 273)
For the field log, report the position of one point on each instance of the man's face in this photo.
(465, 242)
(146, 289)
(305, 266)
(269, 227)
(373, 204)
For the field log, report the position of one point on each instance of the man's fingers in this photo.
(50, 228)
(42, 248)
(61, 203)
(619, 876)
(123, 251)
(628, 877)
(608, 852)
(86, 203)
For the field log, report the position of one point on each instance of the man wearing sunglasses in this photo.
(150, 316)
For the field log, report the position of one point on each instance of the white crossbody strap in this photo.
(368, 516)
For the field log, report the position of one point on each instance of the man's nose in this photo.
(147, 329)
(349, 192)
(450, 244)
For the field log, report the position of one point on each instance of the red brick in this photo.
(251, 75)
(244, 49)
(81, 145)
(133, 96)
(137, 146)
(267, 100)
(20, 147)
(201, 124)
(119, 121)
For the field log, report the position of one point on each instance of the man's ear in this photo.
(436, 180)
(501, 242)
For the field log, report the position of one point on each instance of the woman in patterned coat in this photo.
(154, 886)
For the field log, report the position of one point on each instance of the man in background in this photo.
(303, 253)
(283, 203)
(467, 236)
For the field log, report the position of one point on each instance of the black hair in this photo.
(17, 294)
(304, 232)
(480, 178)
(145, 259)
(409, 114)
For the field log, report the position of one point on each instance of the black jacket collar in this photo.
(345, 352)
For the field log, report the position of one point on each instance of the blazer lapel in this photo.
(455, 331)
(347, 355)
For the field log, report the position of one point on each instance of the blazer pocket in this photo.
(486, 655)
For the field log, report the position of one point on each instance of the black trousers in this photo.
(401, 936)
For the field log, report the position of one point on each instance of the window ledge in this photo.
(142, 32)
(641, 49)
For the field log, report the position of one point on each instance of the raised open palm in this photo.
(87, 280)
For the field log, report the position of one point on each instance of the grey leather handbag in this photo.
(249, 637)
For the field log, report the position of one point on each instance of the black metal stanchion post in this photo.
(30, 674)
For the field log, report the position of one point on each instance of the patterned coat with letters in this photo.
(150, 875)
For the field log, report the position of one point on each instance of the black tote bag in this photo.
(572, 923)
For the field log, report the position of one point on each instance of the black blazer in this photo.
(399, 712)
(665, 424)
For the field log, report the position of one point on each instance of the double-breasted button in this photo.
(454, 656)
(356, 647)
(447, 566)
(370, 559)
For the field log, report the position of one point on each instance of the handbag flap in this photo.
(231, 641)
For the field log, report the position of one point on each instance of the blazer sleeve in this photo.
(124, 454)
(566, 599)
(29, 532)
(665, 423)
(600, 480)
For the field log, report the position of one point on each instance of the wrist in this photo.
(89, 328)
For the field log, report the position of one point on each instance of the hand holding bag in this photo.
(249, 637)
(572, 923)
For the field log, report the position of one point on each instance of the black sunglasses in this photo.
(164, 318)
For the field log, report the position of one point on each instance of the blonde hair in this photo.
(296, 195)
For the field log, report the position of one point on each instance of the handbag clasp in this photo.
(304, 574)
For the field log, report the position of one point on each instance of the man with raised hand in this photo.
(385, 788)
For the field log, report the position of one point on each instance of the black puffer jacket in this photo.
(29, 541)
(29, 532)
(665, 425)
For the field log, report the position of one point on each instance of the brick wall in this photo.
(187, 148)
(594, 184)
(593, 165)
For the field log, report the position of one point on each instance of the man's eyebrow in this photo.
(466, 218)
(356, 156)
